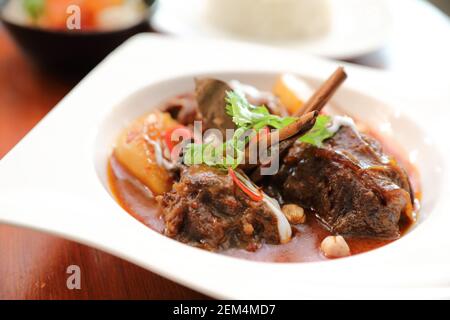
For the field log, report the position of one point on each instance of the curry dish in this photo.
(321, 185)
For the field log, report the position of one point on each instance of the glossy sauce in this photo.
(395, 150)
(304, 246)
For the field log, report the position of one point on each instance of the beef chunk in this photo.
(354, 188)
(211, 94)
(183, 108)
(205, 209)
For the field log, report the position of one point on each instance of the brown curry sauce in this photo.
(304, 246)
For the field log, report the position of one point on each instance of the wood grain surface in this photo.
(32, 264)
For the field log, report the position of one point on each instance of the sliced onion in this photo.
(246, 185)
(283, 225)
(159, 158)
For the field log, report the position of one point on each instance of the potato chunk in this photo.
(292, 92)
(138, 155)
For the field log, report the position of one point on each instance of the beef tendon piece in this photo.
(205, 209)
(353, 188)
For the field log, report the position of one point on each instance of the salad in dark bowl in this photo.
(73, 36)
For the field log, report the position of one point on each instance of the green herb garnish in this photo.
(226, 155)
(319, 132)
(34, 8)
(248, 118)
(246, 115)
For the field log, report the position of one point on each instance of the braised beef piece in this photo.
(205, 209)
(183, 108)
(211, 95)
(353, 188)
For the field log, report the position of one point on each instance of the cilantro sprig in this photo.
(248, 117)
(319, 132)
(227, 155)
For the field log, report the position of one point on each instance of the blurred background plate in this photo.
(71, 53)
(357, 27)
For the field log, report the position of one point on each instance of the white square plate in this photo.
(54, 180)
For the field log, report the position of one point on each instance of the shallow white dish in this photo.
(54, 180)
(357, 27)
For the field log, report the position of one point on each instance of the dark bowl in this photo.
(68, 52)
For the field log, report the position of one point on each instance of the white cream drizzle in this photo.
(283, 225)
(159, 158)
(340, 121)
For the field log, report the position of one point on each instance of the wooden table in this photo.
(33, 265)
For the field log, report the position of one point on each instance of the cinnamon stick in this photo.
(297, 128)
(321, 97)
(314, 104)
(302, 124)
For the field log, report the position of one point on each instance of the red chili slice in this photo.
(182, 132)
(254, 196)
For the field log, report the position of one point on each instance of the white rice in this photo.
(271, 19)
(13, 12)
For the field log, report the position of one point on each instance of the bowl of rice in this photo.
(271, 20)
